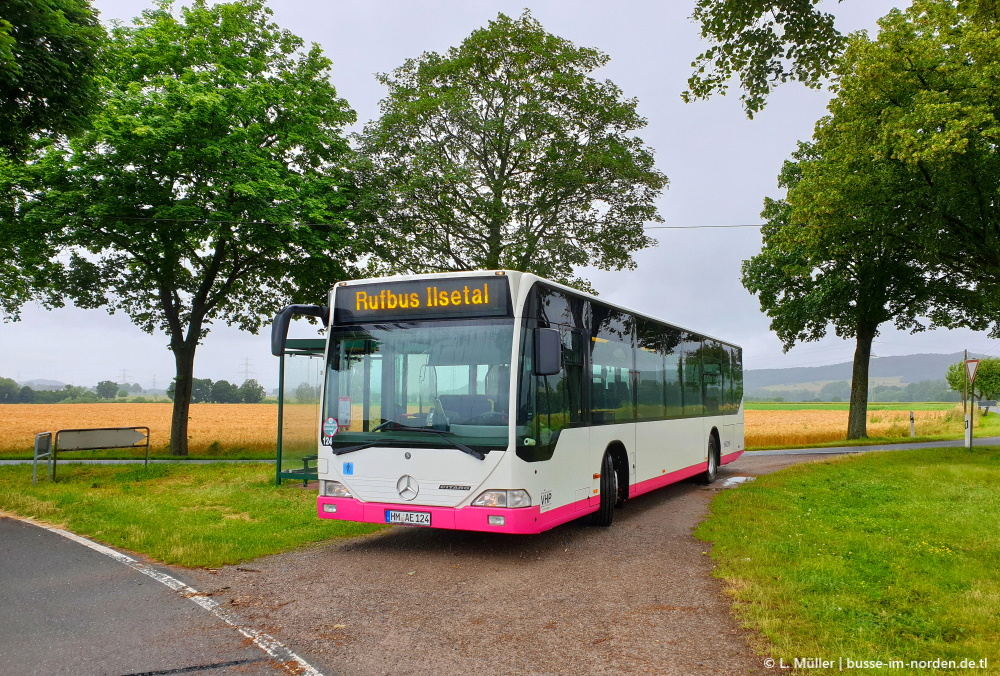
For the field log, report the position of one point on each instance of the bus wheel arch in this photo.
(714, 457)
(619, 455)
(614, 484)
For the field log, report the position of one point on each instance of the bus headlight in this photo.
(335, 489)
(511, 499)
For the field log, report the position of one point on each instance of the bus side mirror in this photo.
(279, 329)
(548, 352)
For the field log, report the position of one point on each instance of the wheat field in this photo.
(219, 428)
(767, 429)
(211, 427)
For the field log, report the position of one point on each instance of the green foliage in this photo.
(505, 153)
(765, 43)
(48, 58)
(768, 42)
(987, 383)
(872, 555)
(224, 392)
(211, 186)
(107, 389)
(251, 392)
(835, 255)
(916, 119)
(9, 391)
(306, 393)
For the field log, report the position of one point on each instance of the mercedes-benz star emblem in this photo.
(407, 487)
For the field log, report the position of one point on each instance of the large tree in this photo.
(210, 187)
(836, 255)
(767, 42)
(505, 153)
(48, 61)
(907, 161)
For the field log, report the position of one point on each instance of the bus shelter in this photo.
(300, 375)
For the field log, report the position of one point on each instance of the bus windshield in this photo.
(419, 384)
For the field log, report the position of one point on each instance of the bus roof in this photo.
(520, 283)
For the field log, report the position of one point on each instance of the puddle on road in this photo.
(734, 481)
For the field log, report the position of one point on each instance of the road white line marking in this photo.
(291, 662)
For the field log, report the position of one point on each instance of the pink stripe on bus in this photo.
(521, 521)
(666, 479)
(726, 459)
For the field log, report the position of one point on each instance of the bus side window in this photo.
(693, 403)
(612, 362)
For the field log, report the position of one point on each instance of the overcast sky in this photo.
(720, 167)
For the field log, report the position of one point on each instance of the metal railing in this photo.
(49, 446)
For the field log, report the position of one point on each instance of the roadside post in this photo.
(913, 428)
(970, 417)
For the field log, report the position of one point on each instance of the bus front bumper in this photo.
(488, 519)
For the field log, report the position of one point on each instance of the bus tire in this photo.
(710, 474)
(605, 514)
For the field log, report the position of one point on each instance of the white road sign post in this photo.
(970, 370)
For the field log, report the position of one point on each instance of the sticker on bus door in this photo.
(344, 412)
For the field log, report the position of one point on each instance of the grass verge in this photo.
(873, 557)
(189, 515)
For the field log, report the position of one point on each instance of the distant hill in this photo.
(42, 384)
(913, 368)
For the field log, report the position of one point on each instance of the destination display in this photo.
(430, 299)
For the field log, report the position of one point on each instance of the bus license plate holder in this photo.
(396, 516)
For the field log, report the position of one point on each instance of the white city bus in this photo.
(500, 401)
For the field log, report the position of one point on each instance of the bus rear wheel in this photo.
(605, 514)
(712, 471)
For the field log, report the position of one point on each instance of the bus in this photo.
(500, 401)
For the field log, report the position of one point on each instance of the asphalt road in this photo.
(67, 609)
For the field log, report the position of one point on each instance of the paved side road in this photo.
(67, 609)
(635, 598)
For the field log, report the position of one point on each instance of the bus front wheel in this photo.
(605, 514)
(712, 471)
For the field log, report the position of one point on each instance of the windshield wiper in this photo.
(393, 425)
(351, 449)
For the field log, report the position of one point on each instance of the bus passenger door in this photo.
(612, 417)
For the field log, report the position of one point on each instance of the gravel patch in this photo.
(636, 598)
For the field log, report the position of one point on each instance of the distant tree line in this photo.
(12, 393)
(925, 390)
(219, 392)
(204, 391)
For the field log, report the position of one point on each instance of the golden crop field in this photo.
(215, 428)
(766, 429)
(212, 427)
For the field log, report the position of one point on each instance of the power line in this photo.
(697, 227)
(349, 225)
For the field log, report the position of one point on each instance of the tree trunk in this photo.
(184, 361)
(857, 417)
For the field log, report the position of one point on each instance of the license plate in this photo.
(408, 518)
